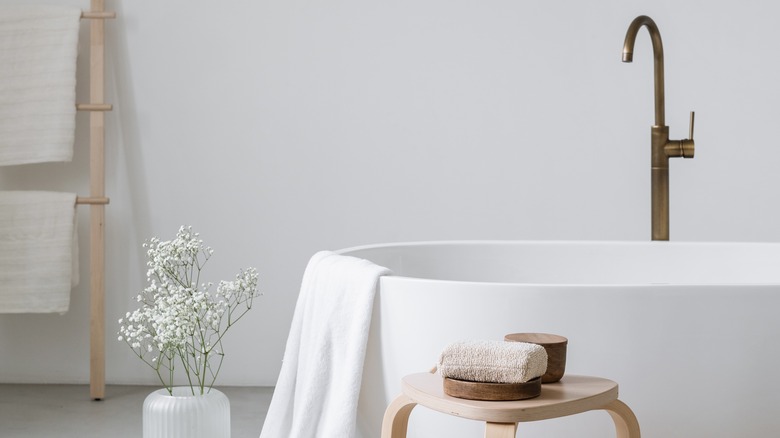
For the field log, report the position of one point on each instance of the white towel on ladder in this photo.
(317, 391)
(38, 50)
(38, 251)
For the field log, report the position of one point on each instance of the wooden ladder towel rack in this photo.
(97, 199)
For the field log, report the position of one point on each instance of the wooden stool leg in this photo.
(626, 423)
(396, 419)
(500, 430)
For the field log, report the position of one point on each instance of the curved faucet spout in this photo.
(658, 59)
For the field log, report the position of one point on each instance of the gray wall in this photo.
(280, 128)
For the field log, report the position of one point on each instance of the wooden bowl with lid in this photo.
(555, 346)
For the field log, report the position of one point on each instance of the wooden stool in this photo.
(572, 395)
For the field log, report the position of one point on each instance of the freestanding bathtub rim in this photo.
(355, 250)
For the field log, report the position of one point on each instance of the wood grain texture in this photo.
(94, 107)
(626, 424)
(555, 346)
(396, 420)
(492, 391)
(572, 395)
(97, 371)
(536, 338)
(500, 430)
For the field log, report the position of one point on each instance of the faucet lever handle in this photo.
(687, 146)
(681, 148)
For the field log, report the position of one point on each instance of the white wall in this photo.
(280, 128)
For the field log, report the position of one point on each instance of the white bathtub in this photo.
(690, 331)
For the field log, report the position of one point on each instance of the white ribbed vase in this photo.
(183, 415)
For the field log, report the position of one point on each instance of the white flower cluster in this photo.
(180, 322)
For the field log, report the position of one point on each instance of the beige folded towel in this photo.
(38, 50)
(493, 361)
(38, 251)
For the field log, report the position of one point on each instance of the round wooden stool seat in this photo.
(572, 395)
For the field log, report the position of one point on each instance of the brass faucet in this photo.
(662, 148)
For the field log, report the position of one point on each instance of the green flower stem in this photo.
(186, 369)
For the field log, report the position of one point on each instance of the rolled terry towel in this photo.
(493, 361)
(38, 50)
(38, 251)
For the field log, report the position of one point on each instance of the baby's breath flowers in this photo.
(180, 322)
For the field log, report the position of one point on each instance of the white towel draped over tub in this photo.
(38, 251)
(38, 50)
(317, 391)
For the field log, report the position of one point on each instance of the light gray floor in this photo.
(66, 411)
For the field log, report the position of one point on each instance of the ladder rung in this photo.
(98, 15)
(94, 107)
(92, 200)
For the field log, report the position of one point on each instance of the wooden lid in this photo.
(544, 339)
(492, 391)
